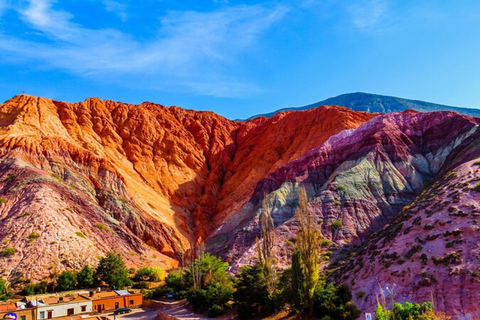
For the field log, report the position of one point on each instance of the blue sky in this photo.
(240, 58)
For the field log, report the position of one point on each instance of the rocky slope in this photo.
(148, 181)
(363, 179)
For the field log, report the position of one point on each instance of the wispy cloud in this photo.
(368, 14)
(118, 8)
(191, 51)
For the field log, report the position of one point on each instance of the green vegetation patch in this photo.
(101, 226)
(8, 252)
(336, 225)
(33, 236)
(80, 234)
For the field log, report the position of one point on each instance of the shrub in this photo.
(413, 250)
(33, 236)
(150, 274)
(56, 176)
(477, 187)
(325, 243)
(141, 285)
(80, 234)
(3, 200)
(336, 225)
(37, 288)
(10, 178)
(101, 226)
(8, 252)
(334, 301)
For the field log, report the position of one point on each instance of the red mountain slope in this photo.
(79, 179)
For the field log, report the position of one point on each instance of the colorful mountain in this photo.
(391, 194)
(395, 194)
(147, 181)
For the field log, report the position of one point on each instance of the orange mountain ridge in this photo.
(145, 180)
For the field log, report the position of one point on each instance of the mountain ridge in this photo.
(361, 101)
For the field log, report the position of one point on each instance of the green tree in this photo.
(5, 290)
(86, 278)
(297, 294)
(210, 286)
(112, 271)
(37, 288)
(266, 254)
(308, 245)
(334, 301)
(252, 295)
(149, 274)
(67, 281)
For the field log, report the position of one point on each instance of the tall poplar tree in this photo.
(308, 246)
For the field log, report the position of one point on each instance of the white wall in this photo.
(60, 310)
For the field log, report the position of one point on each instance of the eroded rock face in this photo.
(362, 177)
(402, 186)
(144, 180)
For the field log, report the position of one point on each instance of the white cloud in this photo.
(368, 14)
(192, 51)
(118, 8)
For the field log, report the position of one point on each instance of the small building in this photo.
(54, 306)
(22, 314)
(105, 301)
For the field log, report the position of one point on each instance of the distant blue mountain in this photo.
(360, 101)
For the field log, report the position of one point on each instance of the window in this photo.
(131, 302)
(42, 315)
(70, 312)
(83, 308)
(23, 317)
(116, 305)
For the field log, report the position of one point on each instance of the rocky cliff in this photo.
(395, 197)
(148, 181)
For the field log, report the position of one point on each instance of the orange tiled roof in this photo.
(7, 307)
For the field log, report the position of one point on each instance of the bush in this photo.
(149, 274)
(141, 285)
(3, 200)
(8, 252)
(37, 288)
(33, 236)
(210, 298)
(101, 226)
(157, 293)
(80, 234)
(10, 178)
(336, 225)
(334, 301)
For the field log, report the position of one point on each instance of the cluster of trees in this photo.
(111, 271)
(301, 288)
(205, 283)
(261, 289)
(408, 311)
